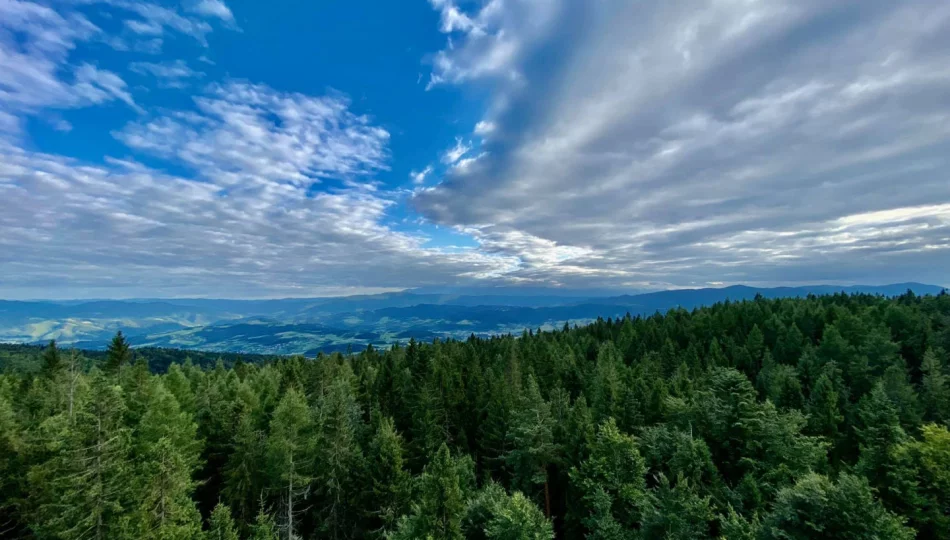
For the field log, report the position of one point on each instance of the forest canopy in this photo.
(821, 417)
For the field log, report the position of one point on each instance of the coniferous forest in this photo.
(823, 417)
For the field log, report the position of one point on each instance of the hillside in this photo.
(311, 325)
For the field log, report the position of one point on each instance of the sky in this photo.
(245, 149)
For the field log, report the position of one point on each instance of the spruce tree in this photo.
(339, 458)
(221, 525)
(264, 527)
(493, 514)
(390, 483)
(817, 508)
(244, 473)
(611, 483)
(118, 354)
(438, 510)
(290, 458)
(934, 389)
(83, 489)
(52, 363)
(532, 444)
(166, 455)
(824, 415)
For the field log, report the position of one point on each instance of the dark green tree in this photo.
(390, 483)
(221, 525)
(815, 507)
(532, 443)
(118, 354)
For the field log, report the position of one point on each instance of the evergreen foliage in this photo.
(820, 417)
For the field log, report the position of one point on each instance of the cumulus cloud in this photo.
(683, 143)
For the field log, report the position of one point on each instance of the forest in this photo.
(817, 417)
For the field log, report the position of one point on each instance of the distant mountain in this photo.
(690, 298)
(308, 325)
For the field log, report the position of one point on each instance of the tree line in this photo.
(820, 417)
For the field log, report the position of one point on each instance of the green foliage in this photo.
(221, 525)
(822, 417)
(437, 512)
(492, 514)
(389, 481)
(118, 354)
(816, 507)
(611, 482)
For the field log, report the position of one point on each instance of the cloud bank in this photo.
(681, 143)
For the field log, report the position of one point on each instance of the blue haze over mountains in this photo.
(310, 325)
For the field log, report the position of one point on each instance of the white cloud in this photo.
(490, 40)
(248, 224)
(484, 128)
(419, 177)
(687, 143)
(35, 74)
(452, 155)
(211, 8)
(247, 135)
(466, 165)
(173, 74)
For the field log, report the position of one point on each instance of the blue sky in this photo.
(247, 149)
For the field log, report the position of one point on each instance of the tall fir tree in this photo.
(934, 388)
(390, 483)
(532, 444)
(83, 488)
(438, 511)
(118, 354)
(221, 525)
(290, 458)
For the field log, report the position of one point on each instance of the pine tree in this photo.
(166, 456)
(244, 474)
(221, 525)
(817, 508)
(11, 445)
(290, 457)
(82, 490)
(493, 514)
(264, 527)
(52, 363)
(438, 511)
(390, 483)
(677, 511)
(178, 384)
(934, 389)
(118, 354)
(824, 416)
(880, 436)
(339, 457)
(611, 483)
(532, 443)
(931, 457)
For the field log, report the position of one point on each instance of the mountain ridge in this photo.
(308, 325)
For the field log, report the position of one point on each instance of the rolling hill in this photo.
(309, 325)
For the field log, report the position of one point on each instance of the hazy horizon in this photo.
(474, 290)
